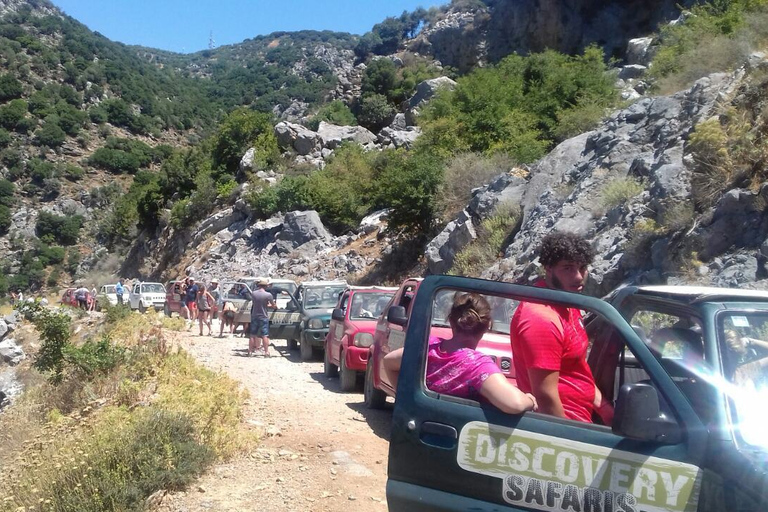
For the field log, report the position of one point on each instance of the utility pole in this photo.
(211, 42)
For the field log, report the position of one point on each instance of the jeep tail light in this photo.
(363, 339)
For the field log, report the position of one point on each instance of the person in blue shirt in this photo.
(119, 291)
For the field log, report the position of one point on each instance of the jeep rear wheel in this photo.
(293, 345)
(329, 369)
(374, 398)
(142, 308)
(167, 310)
(306, 351)
(347, 377)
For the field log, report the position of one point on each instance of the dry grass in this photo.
(154, 422)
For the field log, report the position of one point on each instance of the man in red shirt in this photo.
(549, 342)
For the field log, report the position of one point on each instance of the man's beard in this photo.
(557, 283)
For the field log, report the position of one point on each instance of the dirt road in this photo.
(320, 450)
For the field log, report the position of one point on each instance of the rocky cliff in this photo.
(656, 233)
(464, 39)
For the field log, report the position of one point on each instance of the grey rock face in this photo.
(3, 328)
(564, 190)
(632, 71)
(425, 91)
(295, 136)
(442, 250)
(639, 51)
(300, 228)
(399, 138)
(332, 135)
(10, 352)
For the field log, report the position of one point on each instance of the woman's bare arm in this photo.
(392, 362)
(506, 397)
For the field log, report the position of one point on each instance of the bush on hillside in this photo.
(5, 219)
(239, 131)
(7, 190)
(122, 156)
(517, 106)
(51, 134)
(63, 229)
(335, 112)
(12, 114)
(10, 87)
(375, 112)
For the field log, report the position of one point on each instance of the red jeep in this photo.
(350, 333)
(393, 324)
(173, 298)
(68, 298)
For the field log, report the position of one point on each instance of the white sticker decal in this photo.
(740, 321)
(550, 473)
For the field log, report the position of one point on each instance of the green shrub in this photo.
(73, 172)
(51, 134)
(73, 261)
(63, 229)
(619, 191)
(5, 219)
(7, 190)
(5, 138)
(54, 328)
(521, 106)
(463, 173)
(53, 277)
(94, 357)
(12, 114)
(50, 255)
(10, 88)
(375, 112)
(239, 131)
(335, 112)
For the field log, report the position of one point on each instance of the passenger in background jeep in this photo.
(550, 344)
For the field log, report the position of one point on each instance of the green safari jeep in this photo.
(685, 368)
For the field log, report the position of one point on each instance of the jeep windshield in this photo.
(743, 338)
(368, 305)
(322, 297)
(502, 310)
(152, 288)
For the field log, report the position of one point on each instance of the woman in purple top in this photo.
(456, 368)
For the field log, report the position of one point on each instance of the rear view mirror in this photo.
(638, 416)
(396, 315)
(338, 314)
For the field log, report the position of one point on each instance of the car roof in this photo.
(306, 284)
(703, 293)
(373, 288)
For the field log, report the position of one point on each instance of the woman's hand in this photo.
(535, 404)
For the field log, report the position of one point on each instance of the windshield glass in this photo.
(744, 345)
(322, 296)
(152, 288)
(369, 305)
(502, 310)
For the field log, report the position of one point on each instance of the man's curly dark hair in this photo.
(559, 246)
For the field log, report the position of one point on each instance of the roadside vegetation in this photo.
(493, 234)
(116, 416)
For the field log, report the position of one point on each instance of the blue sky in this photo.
(185, 25)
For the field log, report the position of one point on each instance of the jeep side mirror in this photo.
(338, 314)
(638, 416)
(396, 315)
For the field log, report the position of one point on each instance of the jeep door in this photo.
(449, 453)
(336, 330)
(285, 322)
(394, 335)
(135, 296)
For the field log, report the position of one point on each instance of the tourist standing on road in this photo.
(261, 299)
(549, 341)
(190, 299)
(119, 291)
(205, 303)
(213, 289)
(92, 299)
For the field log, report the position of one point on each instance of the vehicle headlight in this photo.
(363, 339)
(315, 323)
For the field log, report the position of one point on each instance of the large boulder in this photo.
(10, 352)
(297, 137)
(442, 250)
(333, 136)
(217, 222)
(3, 328)
(300, 228)
(639, 51)
(399, 138)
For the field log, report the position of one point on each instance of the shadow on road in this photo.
(284, 351)
(380, 420)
